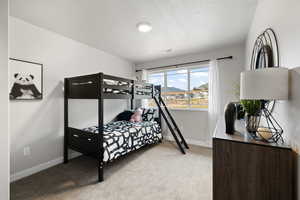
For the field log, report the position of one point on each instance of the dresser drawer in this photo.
(243, 171)
(84, 142)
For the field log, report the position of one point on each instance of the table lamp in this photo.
(266, 85)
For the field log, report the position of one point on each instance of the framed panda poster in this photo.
(26, 80)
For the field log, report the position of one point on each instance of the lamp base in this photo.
(271, 131)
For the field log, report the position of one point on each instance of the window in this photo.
(199, 88)
(183, 88)
(176, 92)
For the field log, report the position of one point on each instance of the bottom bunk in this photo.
(117, 138)
(122, 137)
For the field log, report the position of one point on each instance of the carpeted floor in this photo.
(160, 172)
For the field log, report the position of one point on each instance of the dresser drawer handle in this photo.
(75, 136)
(89, 139)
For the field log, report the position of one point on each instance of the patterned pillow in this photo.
(148, 114)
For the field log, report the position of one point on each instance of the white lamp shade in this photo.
(265, 84)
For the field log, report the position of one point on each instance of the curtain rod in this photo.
(187, 63)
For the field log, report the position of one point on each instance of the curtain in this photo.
(214, 96)
(143, 77)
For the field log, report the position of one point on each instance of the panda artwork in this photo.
(24, 87)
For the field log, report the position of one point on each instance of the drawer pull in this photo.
(75, 136)
(89, 139)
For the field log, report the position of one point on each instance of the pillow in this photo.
(148, 114)
(124, 116)
(137, 116)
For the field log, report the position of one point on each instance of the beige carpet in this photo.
(160, 172)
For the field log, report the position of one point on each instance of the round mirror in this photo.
(264, 58)
(265, 54)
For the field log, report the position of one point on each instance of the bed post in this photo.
(158, 87)
(66, 120)
(132, 96)
(100, 128)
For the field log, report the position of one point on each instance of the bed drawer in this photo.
(83, 142)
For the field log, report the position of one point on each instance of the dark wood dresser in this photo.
(245, 169)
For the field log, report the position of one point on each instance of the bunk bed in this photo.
(108, 142)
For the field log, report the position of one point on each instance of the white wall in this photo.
(4, 138)
(283, 16)
(195, 123)
(39, 124)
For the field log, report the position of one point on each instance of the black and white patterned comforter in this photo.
(122, 137)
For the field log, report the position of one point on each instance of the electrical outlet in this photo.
(27, 151)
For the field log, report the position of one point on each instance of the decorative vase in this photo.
(252, 123)
(230, 116)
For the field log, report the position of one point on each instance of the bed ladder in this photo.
(173, 129)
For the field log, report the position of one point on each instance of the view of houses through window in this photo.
(184, 87)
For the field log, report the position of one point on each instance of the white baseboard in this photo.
(201, 143)
(40, 167)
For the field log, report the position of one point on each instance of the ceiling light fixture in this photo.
(144, 27)
(168, 50)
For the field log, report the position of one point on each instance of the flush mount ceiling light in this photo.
(168, 50)
(144, 27)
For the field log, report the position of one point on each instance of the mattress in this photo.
(122, 137)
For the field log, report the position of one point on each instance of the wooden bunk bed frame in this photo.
(95, 86)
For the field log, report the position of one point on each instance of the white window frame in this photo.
(165, 71)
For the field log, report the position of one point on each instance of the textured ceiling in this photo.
(185, 26)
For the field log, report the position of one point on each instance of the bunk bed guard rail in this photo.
(89, 87)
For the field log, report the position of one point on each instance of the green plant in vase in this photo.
(252, 109)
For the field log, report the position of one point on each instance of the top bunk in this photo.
(97, 86)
